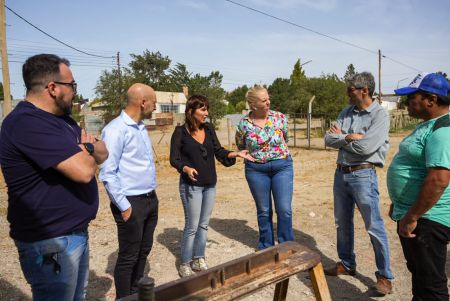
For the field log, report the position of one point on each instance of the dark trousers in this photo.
(135, 242)
(426, 255)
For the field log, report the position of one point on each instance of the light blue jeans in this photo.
(360, 187)
(57, 268)
(274, 178)
(198, 203)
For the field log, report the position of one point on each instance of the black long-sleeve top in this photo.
(186, 151)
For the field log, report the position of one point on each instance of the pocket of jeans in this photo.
(32, 258)
(358, 175)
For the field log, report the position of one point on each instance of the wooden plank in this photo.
(243, 276)
(281, 290)
(319, 283)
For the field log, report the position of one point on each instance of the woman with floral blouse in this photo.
(264, 133)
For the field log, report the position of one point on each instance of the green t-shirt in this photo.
(428, 146)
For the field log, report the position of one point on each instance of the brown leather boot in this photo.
(383, 286)
(339, 269)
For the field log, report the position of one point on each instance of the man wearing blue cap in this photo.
(418, 181)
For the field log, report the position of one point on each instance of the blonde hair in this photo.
(252, 95)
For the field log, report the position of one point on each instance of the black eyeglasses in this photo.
(352, 89)
(72, 84)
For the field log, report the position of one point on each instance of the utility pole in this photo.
(119, 82)
(379, 76)
(119, 74)
(118, 63)
(5, 68)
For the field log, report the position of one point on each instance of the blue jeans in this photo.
(198, 203)
(56, 268)
(274, 178)
(360, 187)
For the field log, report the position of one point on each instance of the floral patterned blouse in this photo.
(267, 143)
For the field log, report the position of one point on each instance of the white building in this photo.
(174, 102)
(389, 102)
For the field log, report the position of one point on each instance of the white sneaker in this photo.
(199, 264)
(185, 270)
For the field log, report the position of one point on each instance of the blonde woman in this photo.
(264, 133)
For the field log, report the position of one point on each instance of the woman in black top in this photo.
(192, 150)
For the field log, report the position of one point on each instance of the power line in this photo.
(65, 44)
(319, 33)
(16, 54)
(54, 45)
(74, 65)
(31, 48)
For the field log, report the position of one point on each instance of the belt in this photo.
(350, 168)
(145, 195)
(78, 231)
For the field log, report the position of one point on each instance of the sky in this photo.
(245, 46)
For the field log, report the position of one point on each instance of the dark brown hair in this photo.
(194, 102)
(40, 69)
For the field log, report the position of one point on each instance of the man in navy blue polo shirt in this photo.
(49, 167)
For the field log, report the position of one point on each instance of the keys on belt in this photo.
(350, 168)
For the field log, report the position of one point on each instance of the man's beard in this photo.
(146, 115)
(66, 108)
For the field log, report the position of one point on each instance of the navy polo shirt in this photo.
(42, 202)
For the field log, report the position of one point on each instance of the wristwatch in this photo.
(89, 147)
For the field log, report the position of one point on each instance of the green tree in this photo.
(280, 95)
(110, 89)
(210, 87)
(240, 106)
(150, 68)
(349, 73)
(179, 76)
(298, 75)
(300, 95)
(237, 95)
(230, 108)
(331, 95)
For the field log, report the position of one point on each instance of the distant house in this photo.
(169, 105)
(170, 102)
(389, 102)
(167, 102)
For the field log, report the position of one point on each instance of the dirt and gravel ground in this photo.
(233, 230)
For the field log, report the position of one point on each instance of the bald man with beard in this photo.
(130, 181)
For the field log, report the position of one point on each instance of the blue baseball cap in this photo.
(428, 82)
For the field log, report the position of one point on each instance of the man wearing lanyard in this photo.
(49, 165)
(130, 181)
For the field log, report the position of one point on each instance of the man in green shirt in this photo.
(418, 181)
